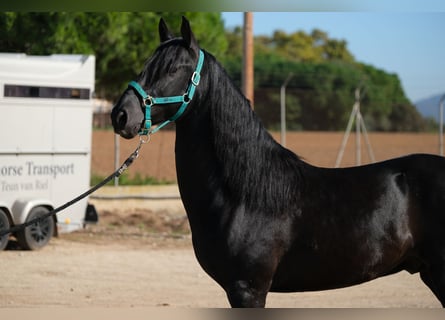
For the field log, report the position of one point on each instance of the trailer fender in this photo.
(22, 207)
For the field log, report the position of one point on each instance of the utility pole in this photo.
(247, 78)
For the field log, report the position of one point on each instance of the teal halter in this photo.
(149, 101)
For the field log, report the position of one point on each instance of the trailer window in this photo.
(45, 92)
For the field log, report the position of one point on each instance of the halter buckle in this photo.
(196, 77)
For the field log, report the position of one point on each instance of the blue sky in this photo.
(410, 43)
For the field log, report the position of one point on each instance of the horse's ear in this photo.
(187, 35)
(164, 33)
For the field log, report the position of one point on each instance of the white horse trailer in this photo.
(45, 142)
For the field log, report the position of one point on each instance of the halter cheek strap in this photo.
(149, 101)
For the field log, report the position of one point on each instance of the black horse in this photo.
(264, 220)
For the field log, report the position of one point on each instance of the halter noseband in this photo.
(148, 101)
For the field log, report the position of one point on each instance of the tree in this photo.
(303, 47)
(320, 95)
(25, 33)
(121, 41)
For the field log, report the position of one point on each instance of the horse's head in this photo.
(165, 86)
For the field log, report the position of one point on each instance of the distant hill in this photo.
(429, 107)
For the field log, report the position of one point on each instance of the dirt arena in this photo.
(140, 254)
(318, 148)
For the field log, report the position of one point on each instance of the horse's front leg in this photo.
(245, 294)
(256, 245)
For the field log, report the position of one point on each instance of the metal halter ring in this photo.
(144, 138)
(148, 101)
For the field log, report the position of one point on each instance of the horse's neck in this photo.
(239, 137)
(225, 123)
(223, 145)
(235, 126)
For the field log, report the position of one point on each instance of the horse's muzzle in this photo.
(122, 125)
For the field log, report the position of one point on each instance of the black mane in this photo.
(255, 168)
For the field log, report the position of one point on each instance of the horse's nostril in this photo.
(121, 119)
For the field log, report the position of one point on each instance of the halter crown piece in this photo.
(149, 101)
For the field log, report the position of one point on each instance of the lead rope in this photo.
(142, 140)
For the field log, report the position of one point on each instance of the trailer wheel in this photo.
(38, 234)
(4, 225)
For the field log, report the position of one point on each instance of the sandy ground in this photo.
(140, 255)
(73, 273)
